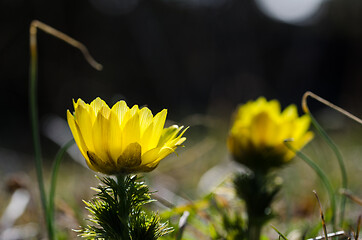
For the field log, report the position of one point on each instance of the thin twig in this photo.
(349, 194)
(358, 227)
(322, 215)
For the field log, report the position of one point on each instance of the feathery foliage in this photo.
(116, 212)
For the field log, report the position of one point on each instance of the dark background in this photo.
(188, 56)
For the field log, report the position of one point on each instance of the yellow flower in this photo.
(120, 140)
(256, 138)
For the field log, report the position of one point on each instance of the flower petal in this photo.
(78, 138)
(131, 131)
(151, 155)
(262, 129)
(84, 122)
(107, 167)
(154, 156)
(75, 104)
(128, 115)
(158, 124)
(131, 156)
(290, 113)
(73, 128)
(115, 136)
(169, 138)
(120, 109)
(97, 105)
(168, 133)
(302, 125)
(298, 144)
(175, 142)
(100, 133)
(146, 138)
(105, 111)
(146, 118)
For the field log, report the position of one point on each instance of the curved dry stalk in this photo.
(35, 24)
(327, 103)
(33, 77)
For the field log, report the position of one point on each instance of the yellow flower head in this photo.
(120, 140)
(256, 138)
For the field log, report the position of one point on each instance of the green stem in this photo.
(120, 179)
(122, 199)
(338, 154)
(58, 159)
(122, 184)
(254, 229)
(258, 196)
(322, 176)
(35, 130)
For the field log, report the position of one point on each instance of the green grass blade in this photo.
(280, 234)
(321, 175)
(342, 167)
(55, 169)
(33, 78)
(329, 141)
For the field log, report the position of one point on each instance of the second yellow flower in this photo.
(256, 138)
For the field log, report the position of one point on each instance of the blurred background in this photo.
(190, 56)
(197, 58)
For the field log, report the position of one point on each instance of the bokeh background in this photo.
(197, 58)
(190, 56)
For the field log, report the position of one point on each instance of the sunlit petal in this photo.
(145, 119)
(97, 104)
(120, 109)
(158, 123)
(85, 125)
(100, 135)
(114, 136)
(131, 131)
(78, 138)
(151, 155)
(169, 133)
(146, 138)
